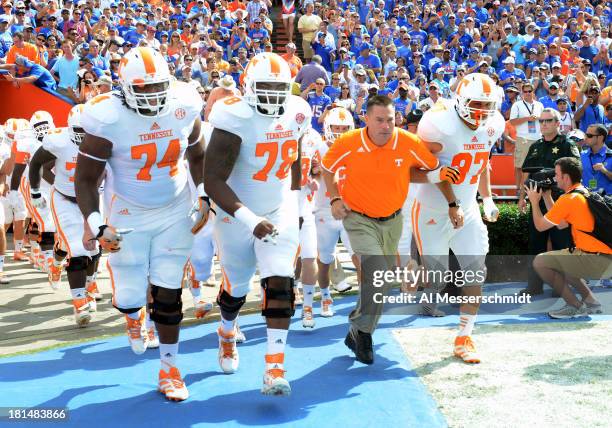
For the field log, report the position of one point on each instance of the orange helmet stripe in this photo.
(147, 59)
(486, 86)
(275, 67)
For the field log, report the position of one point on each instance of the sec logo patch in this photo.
(490, 132)
(179, 113)
(299, 118)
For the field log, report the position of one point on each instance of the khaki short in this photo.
(520, 150)
(578, 264)
(308, 52)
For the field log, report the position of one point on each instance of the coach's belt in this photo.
(389, 217)
(70, 198)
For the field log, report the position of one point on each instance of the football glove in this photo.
(200, 212)
(491, 212)
(444, 173)
(110, 238)
(38, 201)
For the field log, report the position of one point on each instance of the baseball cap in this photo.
(556, 65)
(104, 80)
(533, 51)
(360, 71)
(291, 45)
(414, 116)
(512, 89)
(554, 85)
(562, 100)
(3, 20)
(320, 34)
(509, 60)
(365, 46)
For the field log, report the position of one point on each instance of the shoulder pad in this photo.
(297, 105)
(231, 114)
(437, 123)
(55, 139)
(496, 125)
(183, 95)
(100, 112)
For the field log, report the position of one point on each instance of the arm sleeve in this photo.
(559, 211)
(423, 158)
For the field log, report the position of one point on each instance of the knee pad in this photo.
(77, 264)
(128, 310)
(47, 239)
(32, 228)
(57, 250)
(167, 306)
(230, 304)
(283, 293)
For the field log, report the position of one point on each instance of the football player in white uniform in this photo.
(461, 132)
(27, 142)
(5, 154)
(337, 121)
(39, 197)
(15, 211)
(142, 133)
(253, 175)
(61, 147)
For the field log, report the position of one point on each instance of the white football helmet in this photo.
(145, 79)
(267, 84)
(18, 129)
(41, 122)
(76, 131)
(338, 116)
(476, 88)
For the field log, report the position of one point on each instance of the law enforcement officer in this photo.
(543, 153)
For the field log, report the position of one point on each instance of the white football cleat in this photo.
(202, 308)
(327, 308)
(171, 384)
(82, 316)
(228, 352)
(343, 286)
(274, 382)
(92, 290)
(152, 339)
(240, 337)
(136, 334)
(307, 317)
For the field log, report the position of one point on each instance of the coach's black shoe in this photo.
(530, 292)
(361, 344)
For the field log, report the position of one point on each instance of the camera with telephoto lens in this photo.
(542, 178)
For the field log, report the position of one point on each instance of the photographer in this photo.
(590, 259)
(543, 154)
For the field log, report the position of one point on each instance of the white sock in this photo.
(227, 326)
(325, 294)
(89, 279)
(19, 245)
(49, 254)
(196, 292)
(34, 246)
(309, 291)
(134, 315)
(167, 355)
(148, 321)
(277, 339)
(466, 324)
(77, 293)
(1, 263)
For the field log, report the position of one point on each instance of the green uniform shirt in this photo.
(545, 153)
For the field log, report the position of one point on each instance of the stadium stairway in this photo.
(279, 35)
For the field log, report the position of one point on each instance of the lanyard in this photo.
(528, 109)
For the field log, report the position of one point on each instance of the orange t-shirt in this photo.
(235, 5)
(573, 208)
(295, 63)
(28, 50)
(510, 131)
(377, 178)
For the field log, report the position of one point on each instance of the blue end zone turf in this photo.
(105, 384)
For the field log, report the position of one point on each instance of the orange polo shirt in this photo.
(377, 178)
(573, 208)
(295, 63)
(28, 50)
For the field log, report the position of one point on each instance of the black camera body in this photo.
(542, 178)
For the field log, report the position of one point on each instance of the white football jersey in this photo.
(310, 143)
(58, 143)
(5, 151)
(321, 199)
(146, 159)
(262, 173)
(462, 147)
(26, 145)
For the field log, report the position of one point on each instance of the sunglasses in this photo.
(591, 135)
(546, 120)
(527, 91)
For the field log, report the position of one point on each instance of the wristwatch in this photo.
(456, 203)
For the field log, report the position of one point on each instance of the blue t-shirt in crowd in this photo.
(596, 180)
(317, 104)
